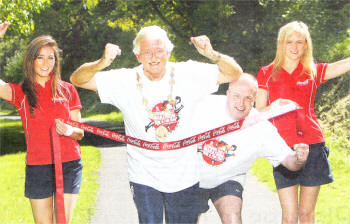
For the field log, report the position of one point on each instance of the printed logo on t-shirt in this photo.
(165, 117)
(214, 151)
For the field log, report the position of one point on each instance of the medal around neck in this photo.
(164, 116)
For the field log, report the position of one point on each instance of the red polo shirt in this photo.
(301, 125)
(37, 126)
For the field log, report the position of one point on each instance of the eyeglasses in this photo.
(149, 54)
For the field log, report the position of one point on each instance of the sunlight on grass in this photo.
(113, 117)
(12, 190)
(15, 208)
(10, 123)
(333, 204)
(8, 112)
(262, 169)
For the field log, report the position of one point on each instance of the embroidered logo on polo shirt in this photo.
(58, 99)
(165, 117)
(304, 83)
(214, 151)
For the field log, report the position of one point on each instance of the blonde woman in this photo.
(294, 75)
(42, 99)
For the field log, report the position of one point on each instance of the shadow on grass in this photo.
(12, 138)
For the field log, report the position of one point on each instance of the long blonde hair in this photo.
(32, 52)
(307, 59)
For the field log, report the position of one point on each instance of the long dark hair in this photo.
(32, 52)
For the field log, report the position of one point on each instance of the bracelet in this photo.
(69, 130)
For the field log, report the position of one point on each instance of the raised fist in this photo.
(111, 51)
(203, 46)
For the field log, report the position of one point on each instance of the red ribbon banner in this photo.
(156, 146)
(164, 146)
(61, 217)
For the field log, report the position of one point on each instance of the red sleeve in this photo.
(321, 72)
(17, 95)
(262, 78)
(73, 97)
(75, 101)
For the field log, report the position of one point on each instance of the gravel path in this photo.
(115, 204)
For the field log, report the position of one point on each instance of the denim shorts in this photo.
(228, 188)
(315, 172)
(40, 179)
(178, 207)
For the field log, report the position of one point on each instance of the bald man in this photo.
(225, 160)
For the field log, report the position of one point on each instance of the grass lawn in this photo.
(333, 203)
(113, 117)
(14, 207)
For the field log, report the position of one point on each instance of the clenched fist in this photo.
(203, 46)
(302, 152)
(111, 51)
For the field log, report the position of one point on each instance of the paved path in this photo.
(115, 205)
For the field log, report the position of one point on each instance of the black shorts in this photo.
(228, 188)
(315, 172)
(40, 179)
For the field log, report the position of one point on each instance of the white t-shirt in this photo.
(246, 145)
(166, 171)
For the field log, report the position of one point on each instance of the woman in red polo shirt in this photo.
(293, 75)
(42, 99)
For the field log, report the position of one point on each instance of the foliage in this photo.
(11, 59)
(338, 88)
(246, 30)
(337, 119)
(19, 13)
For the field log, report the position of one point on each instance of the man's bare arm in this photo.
(84, 76)
(230, 70)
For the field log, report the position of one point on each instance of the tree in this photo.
(246, 30)
(20, 13)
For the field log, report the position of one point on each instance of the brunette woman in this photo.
(42, 100)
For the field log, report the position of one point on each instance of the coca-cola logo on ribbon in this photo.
(214, 151)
